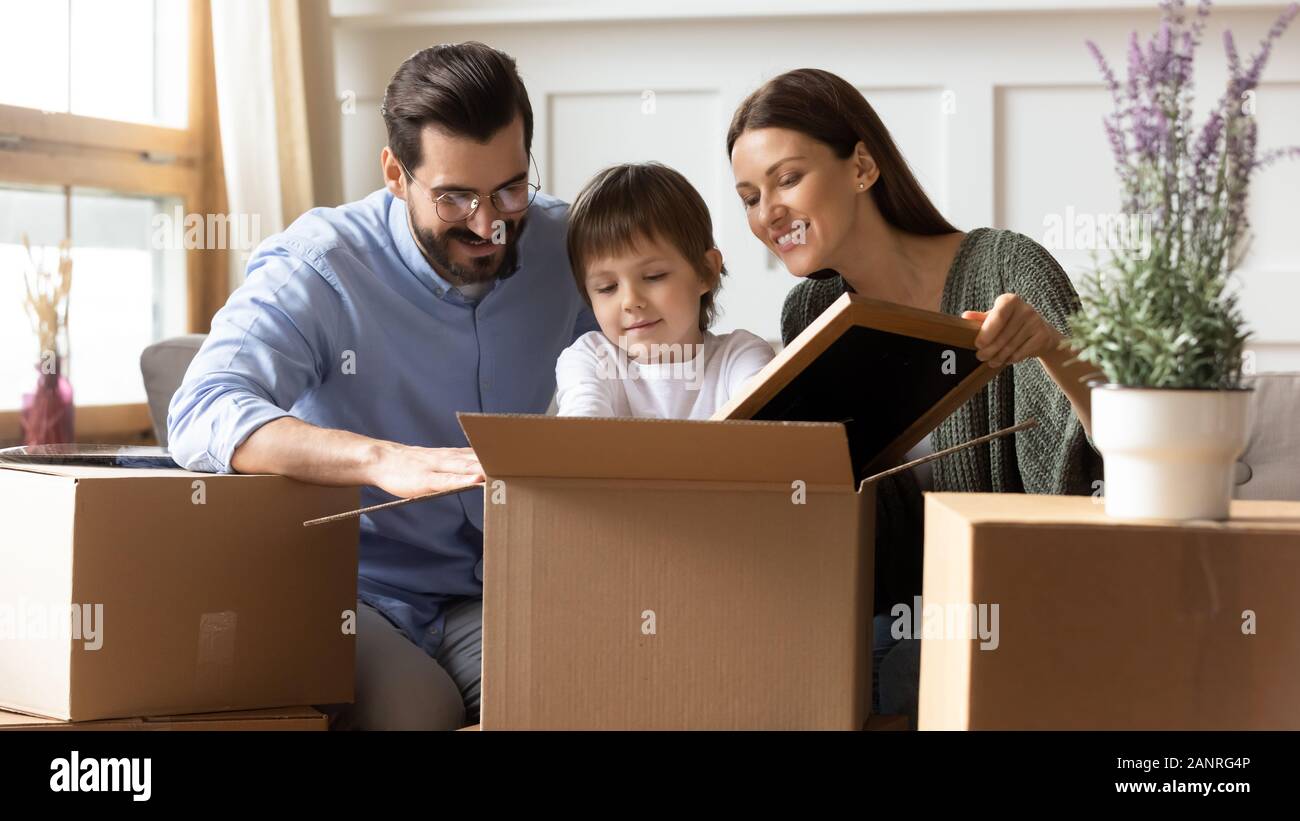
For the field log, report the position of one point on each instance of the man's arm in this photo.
(291, 447)
(267, 348)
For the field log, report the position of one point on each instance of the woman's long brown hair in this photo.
(828, 108)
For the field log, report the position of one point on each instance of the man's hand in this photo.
(291, 447)
(406, 471)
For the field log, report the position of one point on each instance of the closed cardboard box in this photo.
(670, 574)
(282, 719)
(1109, 624)
(131, 592)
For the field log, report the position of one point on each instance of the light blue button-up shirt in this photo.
(341, 322)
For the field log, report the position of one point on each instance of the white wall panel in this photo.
(1020, 137)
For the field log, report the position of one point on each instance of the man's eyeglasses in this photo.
(458, 206)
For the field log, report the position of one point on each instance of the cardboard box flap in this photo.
(888, 372)
(519, 445)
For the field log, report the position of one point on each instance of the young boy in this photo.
(641, 248)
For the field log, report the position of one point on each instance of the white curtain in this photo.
(278, 112)
(241, 51)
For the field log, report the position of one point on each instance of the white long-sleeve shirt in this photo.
(595, 378)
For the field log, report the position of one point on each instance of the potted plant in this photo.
(1164, 325)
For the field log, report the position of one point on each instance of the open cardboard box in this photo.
(672, 574)
(663, 574)
(195, 592)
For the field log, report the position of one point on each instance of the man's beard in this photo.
(437, 250)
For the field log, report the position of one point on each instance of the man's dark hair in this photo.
(465, 89)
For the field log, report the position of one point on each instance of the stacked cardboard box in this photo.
(130, 593)
(1103, 623)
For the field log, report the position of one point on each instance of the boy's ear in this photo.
(712, 264)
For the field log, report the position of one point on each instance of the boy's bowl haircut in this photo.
(624, 205)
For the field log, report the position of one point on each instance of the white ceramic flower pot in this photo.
(1169, 453)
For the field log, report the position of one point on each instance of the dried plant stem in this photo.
(47, 298)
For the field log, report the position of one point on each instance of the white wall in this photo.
(998, 109)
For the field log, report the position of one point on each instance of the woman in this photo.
(825, 188)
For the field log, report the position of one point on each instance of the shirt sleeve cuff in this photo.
(251, 415)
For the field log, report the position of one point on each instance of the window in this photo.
(128, 287)
(120, 59)
(107, 138)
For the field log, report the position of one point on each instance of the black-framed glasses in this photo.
(459, 206)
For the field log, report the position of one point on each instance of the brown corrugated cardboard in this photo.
(1108, 624)
(667, 574)
(874, 723)
(281, 719)
(200, 592)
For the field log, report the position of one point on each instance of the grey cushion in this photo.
(163, 365)
(1269, 468)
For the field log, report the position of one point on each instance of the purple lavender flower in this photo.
(1273, 155)
(1266, 45)
(1107, 73)
(1136, 68)
(1194, 183)
(1234, 59)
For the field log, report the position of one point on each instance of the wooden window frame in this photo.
(62, 149)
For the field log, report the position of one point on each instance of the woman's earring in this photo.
(861, 186)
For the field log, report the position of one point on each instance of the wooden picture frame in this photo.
(922, 362)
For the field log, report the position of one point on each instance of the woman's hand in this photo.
(1012, 332)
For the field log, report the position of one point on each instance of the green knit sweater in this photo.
(1056, 457)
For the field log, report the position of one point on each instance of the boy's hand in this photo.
(406, 471)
